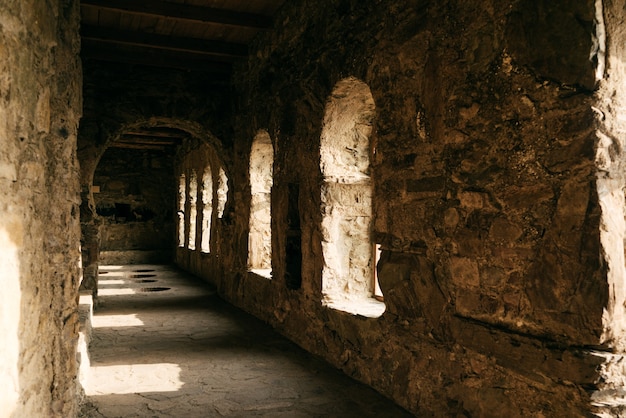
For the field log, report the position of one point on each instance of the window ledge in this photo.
(368, 307)
(267, 273)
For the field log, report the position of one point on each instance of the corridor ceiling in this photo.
(203, 36)
(195, 35)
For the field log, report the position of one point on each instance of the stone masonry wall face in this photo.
(484, 198)
(144, 181)
(40, 105)
(199, 156)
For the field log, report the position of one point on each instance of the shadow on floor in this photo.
(172, 348)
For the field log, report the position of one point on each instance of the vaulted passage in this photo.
(429, 196)
(164, 344)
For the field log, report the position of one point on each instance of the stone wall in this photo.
(199, 247)
(135, 205)
(484, 199)
(40, 105)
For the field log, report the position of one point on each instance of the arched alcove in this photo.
(260, 232)
(207, 209)
(182, 197)
(346, 195)
(206, 200)
(192, 198)
(222, 192)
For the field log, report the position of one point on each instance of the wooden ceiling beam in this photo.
(149, 140)
(159, 8)
(145, 140)
(150, 143)
(157, 134)
(152, 40)
(154, 57)
(139, 147)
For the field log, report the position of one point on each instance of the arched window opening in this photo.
(207, 210)
(346, 195)
(378, 293)
(193, 213)
(222, 193)
(182, 196)
(611, 192)
(260, 235)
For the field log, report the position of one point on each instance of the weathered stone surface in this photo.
(464, 272)
(480, 140)
(132, 203)
(40, 104)
(564, 55)
(432, 184)
(90, 250)
(483, 180)
(609, 188)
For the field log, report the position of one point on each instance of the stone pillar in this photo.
(90, 245)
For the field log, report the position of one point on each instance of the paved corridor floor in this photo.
(164, 345)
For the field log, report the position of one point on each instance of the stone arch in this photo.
(346, 196)
(261, 181)
(89, 155)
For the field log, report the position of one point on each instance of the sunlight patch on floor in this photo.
(114, 281)
(130, 320)
(110, 267)
(116, 292)
(134, 378)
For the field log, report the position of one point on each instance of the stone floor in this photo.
(164, 345)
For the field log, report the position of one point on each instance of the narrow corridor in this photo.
(164, 345)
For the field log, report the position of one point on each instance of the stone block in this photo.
(464, 272)
(503, 230)
(430, 184)
(472, 200)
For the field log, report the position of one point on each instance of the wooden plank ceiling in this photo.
(150, 138)
(193, 35)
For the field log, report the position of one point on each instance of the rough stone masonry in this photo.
(40, 106)
(495, 193)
